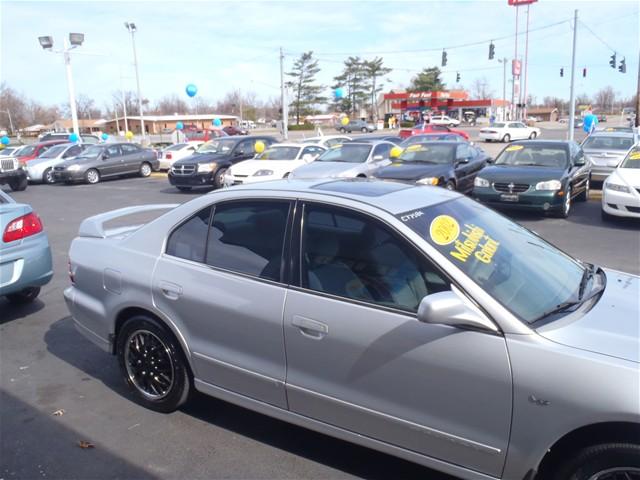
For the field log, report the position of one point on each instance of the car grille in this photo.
(510, 187)
(7, 164)
(633, 209)
(183, 169)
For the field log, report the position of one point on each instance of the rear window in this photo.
(608, 143)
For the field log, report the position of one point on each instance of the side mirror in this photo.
(238, 153)
(449, 308)
(462, 160)
(105, 155)
(580, 162)
(491, 160)
(307, 157)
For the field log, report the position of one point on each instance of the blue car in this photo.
(25, 255)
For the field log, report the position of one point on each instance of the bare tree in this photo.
(605, 98)
(480, 89)
(86, 107)
(169, 105)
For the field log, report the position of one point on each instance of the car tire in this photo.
(184, 189)
(566, 205)
(533, 136)
(584, 195)
(47, 176)
(145, 169)
(452, 125)
(506, 138)
(450, 185)
(167, 390)
(218, 179)
(286, 175)
(25, 296)
(364, 130)
(92, 176)
(343, 130)
(19, 185)
(598, 462)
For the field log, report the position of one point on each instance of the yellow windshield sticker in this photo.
(396, 164)
(413, 148)
(337, 145)
(634, 156)
(444, 229)
(609, 129)
(514, 148)
(474, 242)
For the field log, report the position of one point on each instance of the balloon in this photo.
(395, 152)
(104, 137)
(179, 126)
(73, 137)
(345, 121)
(217, 122)
(128, 135)
(338, 93)
(191, 90)
(260, 146)
(5, 140)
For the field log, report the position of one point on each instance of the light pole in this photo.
(75, 39)
(10, 121)
(132, 30)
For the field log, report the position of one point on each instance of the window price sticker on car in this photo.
(513, 148)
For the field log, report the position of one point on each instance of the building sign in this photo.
(515, 3)
(516, 67)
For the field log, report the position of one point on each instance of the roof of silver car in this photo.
(394, 197)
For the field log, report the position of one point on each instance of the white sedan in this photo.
(177, 152)
(507, 131)
(444, 120)
(278, 161)
(621, 189)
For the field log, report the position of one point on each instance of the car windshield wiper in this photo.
(587, 275)
(562, 307)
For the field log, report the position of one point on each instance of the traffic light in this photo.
(562, 72)
(622, 68)
(444, 58)
(457, 77)
(492, 51)
(612, 62)
(584, 72)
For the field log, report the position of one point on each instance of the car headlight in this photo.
(263, 173)
(74, 168)
(428, 181)
(549, 185)
(617, 188)
(481, 182)
(205, 167)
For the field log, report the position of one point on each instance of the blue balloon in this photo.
(104, 136)
(5, 140)
(191, 90)
(74, 137)
(338, 92)
(217, 122)
(179, 126)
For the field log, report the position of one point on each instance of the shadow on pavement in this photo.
(42, 446)
(358, 461)
(10, 312)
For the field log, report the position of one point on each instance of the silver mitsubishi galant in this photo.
(410, 320)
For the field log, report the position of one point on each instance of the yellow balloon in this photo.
(128, 135)
(345, 120)
(395, 152)
(259, 146)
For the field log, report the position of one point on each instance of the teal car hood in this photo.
(517, 174)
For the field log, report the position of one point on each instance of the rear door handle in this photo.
(170, 290)
(310, 328)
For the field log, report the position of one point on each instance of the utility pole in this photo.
(514, 109)
(124, 104)
(132, 29)
(572, 100)
(504, 87)
(526, 61)
(10, 121)
(637, 123)
(285, 119)
(70, 86)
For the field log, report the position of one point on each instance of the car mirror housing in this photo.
(449, 308)
(580, 162)
(307, 157)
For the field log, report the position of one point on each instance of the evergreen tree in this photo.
(374, 69)
(353, 79)
(306, 94)
(427, 81)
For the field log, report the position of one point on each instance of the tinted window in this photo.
(429, 153)
(248, 237)
(312, 151)
(54, 152)
(113, 151)
(129, 149)
(73, 151)
(279, 153)
(612, 143)
(347, 152)
(353, 256)
(382, 149)
(189, 239)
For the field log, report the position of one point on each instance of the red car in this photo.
(203, 135)
(35, 150)
(233, 130)
(429, 128)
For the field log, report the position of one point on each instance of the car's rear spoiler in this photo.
(94, 226)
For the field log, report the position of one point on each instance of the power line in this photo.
(597, 36)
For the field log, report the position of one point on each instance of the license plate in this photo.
(509, 197)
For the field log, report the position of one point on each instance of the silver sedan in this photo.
(40, 170)
(406, 319)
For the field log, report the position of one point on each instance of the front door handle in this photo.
(170, 290)
(310, 328)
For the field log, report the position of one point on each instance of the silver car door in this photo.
(358, 358)
(221, 284)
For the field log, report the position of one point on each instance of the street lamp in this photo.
(131, 27)
(76, 40)
(504, 87)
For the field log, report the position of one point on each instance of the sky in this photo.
(227, 45)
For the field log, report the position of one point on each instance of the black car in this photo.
(207, 166)
(542, 175)
(452, 165)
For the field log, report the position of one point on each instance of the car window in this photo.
(247, 147)
(382, 149)
(440, 127)
(189, 240)
(279, 153)
(313, 150)
(350, 255)
(53, 152)
(429, 153)
(632, 160)
(113, 151)
(612, 143)
(248, 237)
(346, 152)
(73, 151)
(464, 151)
(129, 149)
(334, 141)
(177, 146)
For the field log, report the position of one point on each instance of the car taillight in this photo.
(22, 227)
(168, 156)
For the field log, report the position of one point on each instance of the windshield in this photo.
(428, 153)
(498, 125)
(533, 156)
(218, 147)
(279, 153)
(8, 151)
(177, 146)
(348, 152)
(601, 142)
(528, 276)
(436, 137)
(27, 150)
(53, 152)
(91, 152)
(632, 160)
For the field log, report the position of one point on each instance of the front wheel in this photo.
(343, 130)
(152, 364)
(363, 130)
(611, 461)
(47, 176)
(25, 296)
(566, 205)
(145, 169)
(19, 185)
(506, 138)
(533, 136)
(92, 176)
(218, 180)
